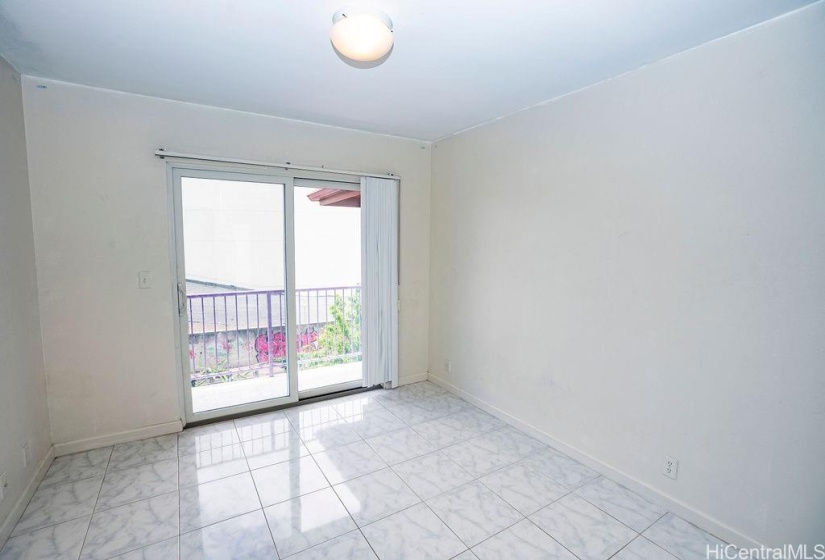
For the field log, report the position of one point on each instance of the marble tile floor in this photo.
(411, 473)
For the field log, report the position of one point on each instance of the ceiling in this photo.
(455, 64)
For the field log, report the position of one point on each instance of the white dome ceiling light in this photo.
(361, 34)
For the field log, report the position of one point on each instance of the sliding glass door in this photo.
(249, 339)
(328, 286)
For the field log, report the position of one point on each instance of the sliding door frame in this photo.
(176, 170)
(176, 173)
(300, 180)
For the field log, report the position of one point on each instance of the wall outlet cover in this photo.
(670, 467)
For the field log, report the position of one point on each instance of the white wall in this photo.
(100, 216)
(638, 269)
(23, 413)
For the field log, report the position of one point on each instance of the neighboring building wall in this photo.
(234, 233)
(23, 413)
(234, 236)
(652, 249)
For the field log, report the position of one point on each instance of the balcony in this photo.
(238, 344)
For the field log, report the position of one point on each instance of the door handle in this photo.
(181, 299)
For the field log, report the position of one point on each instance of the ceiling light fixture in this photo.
(361, 34)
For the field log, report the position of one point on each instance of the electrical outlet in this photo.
(144, 280)
(670, 467)
(27, 455)
(448, 366)
(3, 485)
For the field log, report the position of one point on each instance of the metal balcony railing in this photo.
(242, 334)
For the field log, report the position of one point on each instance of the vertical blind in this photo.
(379, 278)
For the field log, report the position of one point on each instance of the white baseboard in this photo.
(20, 506)
(681, 509)
(412, 379)
(81, 445)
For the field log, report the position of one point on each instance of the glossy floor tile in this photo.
(136, 453)
(509, 441)
(306, 521)
(522, 541)
(218, 500)
(375, 496)
(680, 538)
(210, 436)
(411, 413)
(396, 447)
(357, 405)
(432, 474)
(642, 549)
(328, 435)
(133, 526)
(287, 480)
(58, 541)
(478, 459)
(474, 421)
(71, 468)
(474, 512)
(440, 433)
(582, 528)
(347, 462)
(413, 472)
(626, 506)
(58, 503)
(138, 483)
(246, 536)
(562, 469)
(262, 425)
(374, 423)
(311, 415)
(273, 449)
(524, 487)
(214, 464)
(411, 534)
(351, 546)
(443, 405)
(163, 550)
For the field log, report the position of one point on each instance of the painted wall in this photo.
(638, 270)
(23, 412)
(99, 202)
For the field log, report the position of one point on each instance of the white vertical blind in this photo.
(379, 278)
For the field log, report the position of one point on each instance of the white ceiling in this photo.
(455, 64)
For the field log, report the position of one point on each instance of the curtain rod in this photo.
(162, 153)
